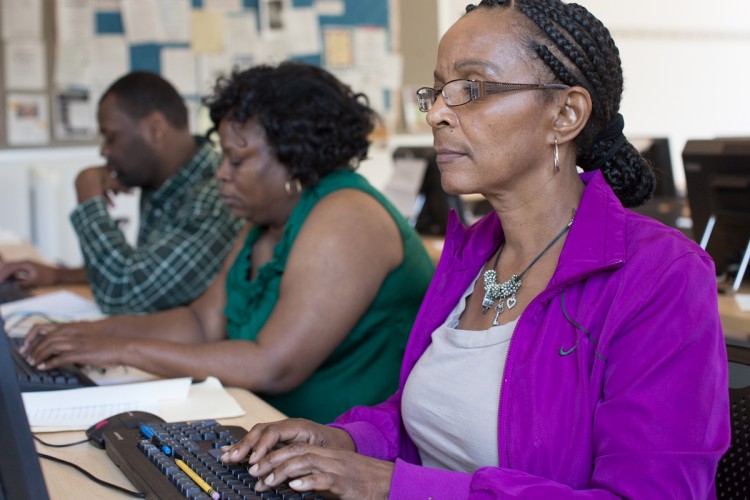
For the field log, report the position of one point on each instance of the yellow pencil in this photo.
(195, 477)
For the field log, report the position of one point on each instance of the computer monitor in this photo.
(434, 203)
(666, 205)
(20, 473)
(717, 173)
(656, 151)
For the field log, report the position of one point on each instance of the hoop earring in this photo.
(297, 187)
(555, 157)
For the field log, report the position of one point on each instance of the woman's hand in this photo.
(263, 438)
(51, 346)
(314, 457)
(305, 467)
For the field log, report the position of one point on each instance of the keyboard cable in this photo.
(83, 471)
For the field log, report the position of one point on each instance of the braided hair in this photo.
(580, 51)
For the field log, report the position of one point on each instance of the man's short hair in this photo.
(141, 92)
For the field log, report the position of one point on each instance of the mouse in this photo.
(125, 420)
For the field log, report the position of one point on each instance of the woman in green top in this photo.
(314, 305)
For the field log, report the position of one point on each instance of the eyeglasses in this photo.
(459, 92)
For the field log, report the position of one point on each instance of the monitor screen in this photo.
(717, 173)
(20, 473)
(666, 206)
(434, 204)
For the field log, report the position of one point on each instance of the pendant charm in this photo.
(489, 288)
(511, 301)
(486, 303)
(499, 309)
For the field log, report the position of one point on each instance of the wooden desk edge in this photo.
(64, 483)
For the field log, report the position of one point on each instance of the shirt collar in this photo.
(201, 165)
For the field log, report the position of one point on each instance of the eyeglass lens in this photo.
(454, 93)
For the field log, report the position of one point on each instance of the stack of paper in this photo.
(57, 306)
(172, 399)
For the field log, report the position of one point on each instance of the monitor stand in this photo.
(745, 256)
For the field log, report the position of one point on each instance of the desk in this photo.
(433, 245)
(736, 323)
(65, 483)
(62, 481)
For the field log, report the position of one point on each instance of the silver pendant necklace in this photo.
(505, 292)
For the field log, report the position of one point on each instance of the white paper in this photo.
(303, 31)
(117, 375)
(272, 14)
(403, 187)
(743, 301)
(223, 5)
(391, 71)
(21, 18)
(111, 58)
(210, 67)
(76, 112)
(175, 20)
(142, 21)
(241, 33)
(74, 21)
(27, 119)
(62, 305)
(107, 5)
(80, 408)
(178, 67)
(172, 400)
(73, 64)
(207, 399)
(330, 7)
(370, 44)
(25, 65)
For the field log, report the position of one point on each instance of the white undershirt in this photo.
(451, 398)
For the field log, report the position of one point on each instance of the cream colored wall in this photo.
(685, 65)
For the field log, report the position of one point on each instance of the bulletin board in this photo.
(58, 56)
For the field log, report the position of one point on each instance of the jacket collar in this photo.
(596, 239)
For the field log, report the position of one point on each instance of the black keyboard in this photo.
(11, 290)
(155, 472)
(32, 379)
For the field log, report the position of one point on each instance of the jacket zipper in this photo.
(503, 458)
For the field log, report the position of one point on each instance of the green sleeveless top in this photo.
(364, 368)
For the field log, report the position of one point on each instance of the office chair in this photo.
(733, 473)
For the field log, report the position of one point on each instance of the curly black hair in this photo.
(314, 123)
(579, 50)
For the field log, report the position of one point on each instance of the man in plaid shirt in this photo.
(185, 229)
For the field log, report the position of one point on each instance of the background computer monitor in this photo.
(667, 205)
(717, 174)
(20, 474)
(434, 203)
(656, 151)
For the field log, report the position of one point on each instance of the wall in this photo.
(684, 62)
(38, 196)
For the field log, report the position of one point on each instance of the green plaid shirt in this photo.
(185, 233)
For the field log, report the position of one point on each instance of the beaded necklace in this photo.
(506, 291)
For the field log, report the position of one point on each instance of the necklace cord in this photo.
(507, 289)
(550, 245)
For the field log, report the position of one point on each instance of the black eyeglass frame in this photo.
(426, 96)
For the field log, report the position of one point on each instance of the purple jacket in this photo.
(615, 384)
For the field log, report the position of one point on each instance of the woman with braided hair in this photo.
(567, 346)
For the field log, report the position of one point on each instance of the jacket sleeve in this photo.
(661, 424)
(165, 272)
(376, 430)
